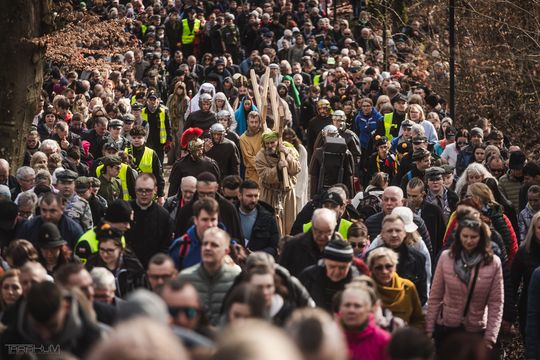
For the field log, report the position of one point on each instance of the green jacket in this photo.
(211, 289)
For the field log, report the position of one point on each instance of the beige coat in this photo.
(272, 188)
(250, 146)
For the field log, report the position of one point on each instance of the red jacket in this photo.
(369, 344)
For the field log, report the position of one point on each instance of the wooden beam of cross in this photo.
(262, 102)
(279, 124)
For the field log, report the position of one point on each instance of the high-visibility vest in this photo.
(187, 35)
(388, 125)
(162, 128)
(344, 226)
(90, 238)
(145, 165)
(143, 29)
(122, 175)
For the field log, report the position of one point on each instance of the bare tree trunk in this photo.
(21, 73)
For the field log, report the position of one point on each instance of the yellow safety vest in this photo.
(388, 125)
(90, 238)
(344, 226)
(143, 29)
(187, 35)
(145, 165)
(122, 175)
(162, 128)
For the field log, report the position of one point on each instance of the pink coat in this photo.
(448, 297)
(369, 344)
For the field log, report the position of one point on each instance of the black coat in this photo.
(227, 156)
(150, 233)
(189, 167)
(228, 216)
(78, 336)
(265, 234)
(299, 253)
(320, 287)
(129, 276)
(433, 218)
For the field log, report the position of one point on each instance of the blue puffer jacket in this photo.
(364, 126)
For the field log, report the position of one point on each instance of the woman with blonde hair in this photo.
(397, 294)
(474, 173)
(416, 114)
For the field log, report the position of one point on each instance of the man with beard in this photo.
(194, 163)
(275, 190)
(250, 144)
(257, 219)
(159, 127)
(317, 123)
(223, 150)
(203, 118)
(391, 123)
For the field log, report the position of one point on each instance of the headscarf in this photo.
(227, 106)
(207, 88)
(269, 135)
(295, 92)
(241, 116)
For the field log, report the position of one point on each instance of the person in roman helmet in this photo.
(193, 162)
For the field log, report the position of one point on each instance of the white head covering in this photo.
(207, 88)
(227, 106)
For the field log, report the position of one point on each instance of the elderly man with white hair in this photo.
(5, 177)
(392, 197)
(306, 249)
(104, 286)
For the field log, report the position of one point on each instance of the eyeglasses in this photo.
(107, 251)
(144, 191)
(383, 267)
(189, 312)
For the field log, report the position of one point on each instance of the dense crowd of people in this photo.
(321, 203)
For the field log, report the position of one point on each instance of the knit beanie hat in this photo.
(118, 211)
(338, 250)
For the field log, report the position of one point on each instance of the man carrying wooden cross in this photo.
(277, 189)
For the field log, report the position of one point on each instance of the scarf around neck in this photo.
(464, 265)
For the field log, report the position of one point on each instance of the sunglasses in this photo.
(189, 312)
(475, 224)
(358, 245)
(383, 267)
